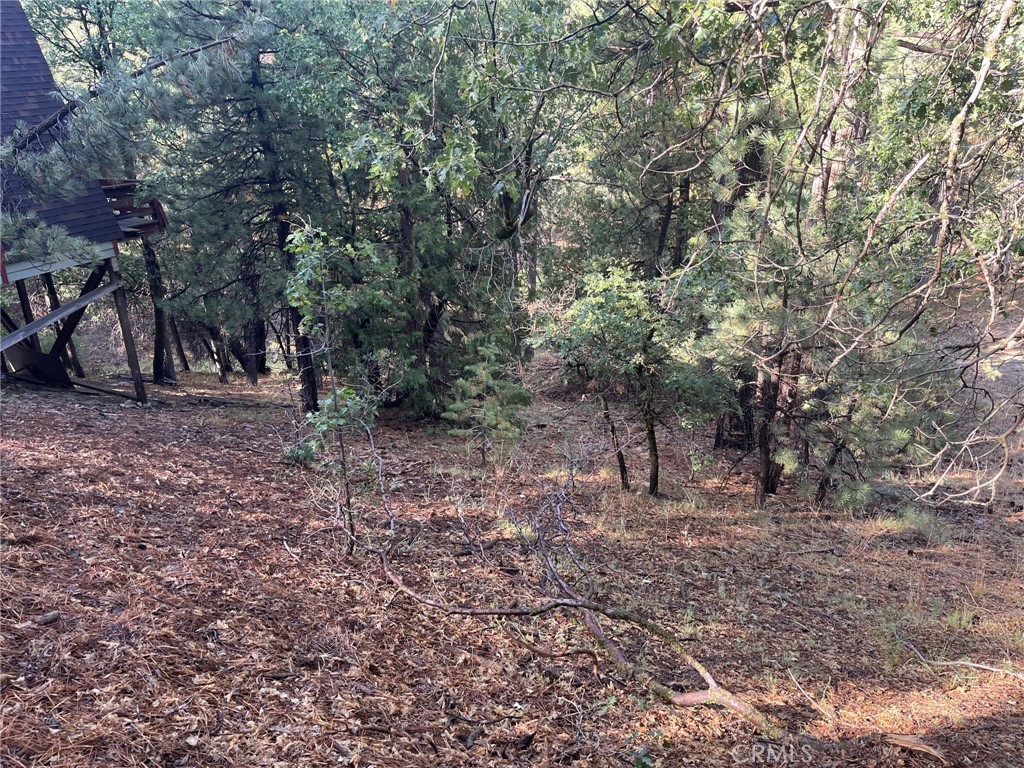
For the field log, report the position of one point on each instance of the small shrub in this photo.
(304, 453)
(690, 629)
(962, 618)
(699, 462)
(924, 526)
(486, 405)
(918, 526)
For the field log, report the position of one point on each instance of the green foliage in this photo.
(304, 453)
(699, 462)
(920, 525)
(486, 404)
(344, 409)
(630, 339)
(961, 619)
(641, 757)
(607, 705)
(813, 220)
(27, 238)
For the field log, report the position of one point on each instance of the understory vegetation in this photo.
(801, 220)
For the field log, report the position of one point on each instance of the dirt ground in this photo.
(176, 593)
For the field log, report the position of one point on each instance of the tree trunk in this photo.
(163, 362)
(223, 359)
(737, 431)
(683, 227)
(652, 452)
(246, 359)
(531, 274)
(284, 345)
(307, 371)
(619, 457)
(825, 483)
(26, 311)
(172, 325)
(121, 304)
(279, 213)
(219, 352)
(655, 263)
(748, 173)
(769, 473)
(253, 344)
(262, 367)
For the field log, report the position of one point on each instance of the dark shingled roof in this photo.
(26, 99)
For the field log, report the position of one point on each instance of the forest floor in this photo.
(174, 594)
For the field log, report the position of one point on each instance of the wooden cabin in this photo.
(102, 212)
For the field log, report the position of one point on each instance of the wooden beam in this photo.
(8, 321)
(26, 312)
(71, 358)
(64, 337)
(126, 332)
(104, 390)
(67, 310)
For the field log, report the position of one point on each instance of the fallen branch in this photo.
(714, 694)
(550, 526)
(969, 664)
(828, 714)
(914, 744)
(290, 552)
(515, 635)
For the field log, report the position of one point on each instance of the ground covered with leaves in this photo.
(177, 593)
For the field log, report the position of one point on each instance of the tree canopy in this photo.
(804, 218)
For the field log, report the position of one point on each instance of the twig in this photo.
(831, 550)
(830, 716)
(713, 694)
(471, 550)
(289, 549)
(969, 664)
(453, 715)
(515, 635)
(161, 600)
(732, 468)
(473, 735)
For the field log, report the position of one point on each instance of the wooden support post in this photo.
(26, 310)
(71, 358)
(11, 327)
(69, 325)
(8, 321)
(126, 332)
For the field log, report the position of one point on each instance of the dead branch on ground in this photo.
(550, 544)
(968, 664)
